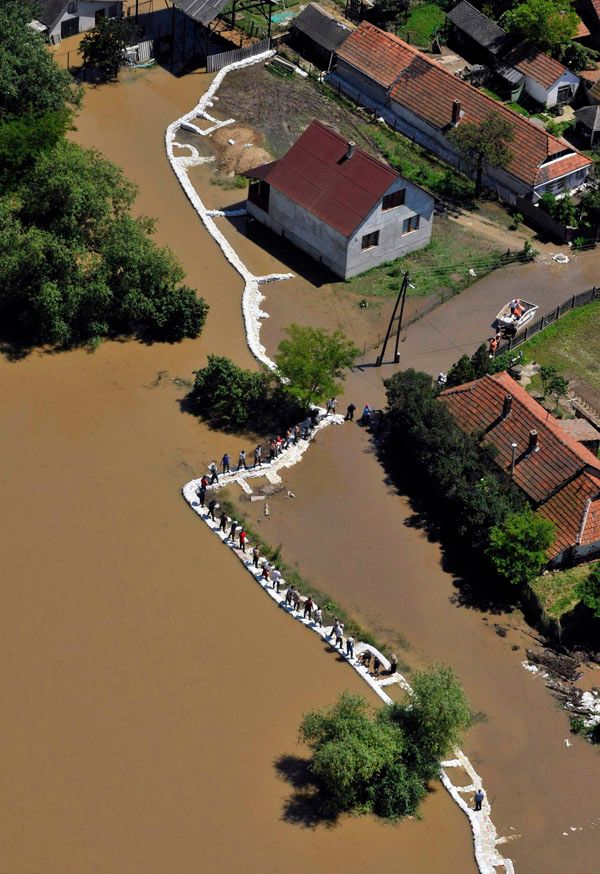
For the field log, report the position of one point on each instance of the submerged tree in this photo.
(484, 144)
(102, 48)
(380, 762)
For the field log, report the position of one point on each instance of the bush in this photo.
(589, 590)
(380, 763)
(518, 547)
(229, 397)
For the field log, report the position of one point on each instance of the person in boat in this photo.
(518, 310)
(513, 305)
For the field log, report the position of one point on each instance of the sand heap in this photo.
(246, 152)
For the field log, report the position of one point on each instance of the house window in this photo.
(564, 94)
(72, 7)
(113, 11)
(411, 224)
(100, 13)
(369, 241)
(396, 198)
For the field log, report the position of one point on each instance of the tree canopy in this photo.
(75, 264)
(379, 762)
(102, 47)
(229, 397)
(547, 23)
(589, 590)
(485, 144)
(31, 83)
(519, 545)
(313, 361)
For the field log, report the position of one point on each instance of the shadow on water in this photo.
(475, 586)
(305, 806)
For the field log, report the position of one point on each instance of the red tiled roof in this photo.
(315, 174)
(559, 477)
(532, 62)
(426, 89)
(582, 30)
(591, 528)
(379, 55)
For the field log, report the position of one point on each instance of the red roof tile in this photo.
(315, 174)
(580, 429)
(559, 476)
(582, 30)
(532, 62)
(591, 527)
(426, 89)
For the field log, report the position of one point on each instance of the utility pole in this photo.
(400, 301)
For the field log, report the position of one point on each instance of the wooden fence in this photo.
(577, 300)
(217, 62)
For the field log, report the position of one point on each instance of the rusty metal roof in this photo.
(316, 175)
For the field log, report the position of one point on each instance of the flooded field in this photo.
(151, 686)
(148, 686)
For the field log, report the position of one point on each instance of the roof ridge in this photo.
(365, 154)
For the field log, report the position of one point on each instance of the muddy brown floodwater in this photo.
(147, 686)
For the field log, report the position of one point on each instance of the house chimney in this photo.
(350, 152)
(533, 441)
(507, 406)
(455, 112)
(513, 460)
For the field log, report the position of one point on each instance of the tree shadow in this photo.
(305, 806)
(475, 587)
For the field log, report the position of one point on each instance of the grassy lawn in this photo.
(556, 591)
(442, 267)
(421, 24)
(572, 345)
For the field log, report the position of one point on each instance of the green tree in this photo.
(577, 57)
(434, 718)
(485, 144)
(31, 83)
(380, 762)
(518, 548)
(547, 23)
(553, 383)
(313, 361)
(24, 139)
(102, 48)
(590, 208)
(589, 590)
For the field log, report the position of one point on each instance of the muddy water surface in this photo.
(148, 686)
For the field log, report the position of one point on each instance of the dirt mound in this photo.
(246, 151)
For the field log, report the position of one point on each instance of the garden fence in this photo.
(217, 62)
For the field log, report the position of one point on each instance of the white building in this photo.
(63, 18)
(543, 78)
(340, 205)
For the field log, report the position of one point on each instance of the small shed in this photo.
(546, 80)
(588, 124)
(475, 35)
(316, 34)
(64, 18)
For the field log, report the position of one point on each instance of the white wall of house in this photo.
(549, 96)
(393, 242)
(345, 256)
(86, 11)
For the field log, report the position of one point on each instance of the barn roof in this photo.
(478, 26)
(589, 116)
(321, 27)
(316, 174)
(532, 62)
(49, 12)
(202, 11)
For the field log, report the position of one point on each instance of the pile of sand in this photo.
(246, 152)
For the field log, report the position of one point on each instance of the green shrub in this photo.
(518, 547)
(589, 590)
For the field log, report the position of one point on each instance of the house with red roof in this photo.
(338, 204)
(543, 78)
(424, 101)
(559, 475)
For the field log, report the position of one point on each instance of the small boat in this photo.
(507, 321)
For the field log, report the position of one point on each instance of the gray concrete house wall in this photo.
(394, 241)
(304, 230)
(363, 84)
(345, 256)
(85, 11)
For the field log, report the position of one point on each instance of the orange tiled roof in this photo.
(426, 89)
(591, 527)
(582, 30)
(559, 477)
(532, 62)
